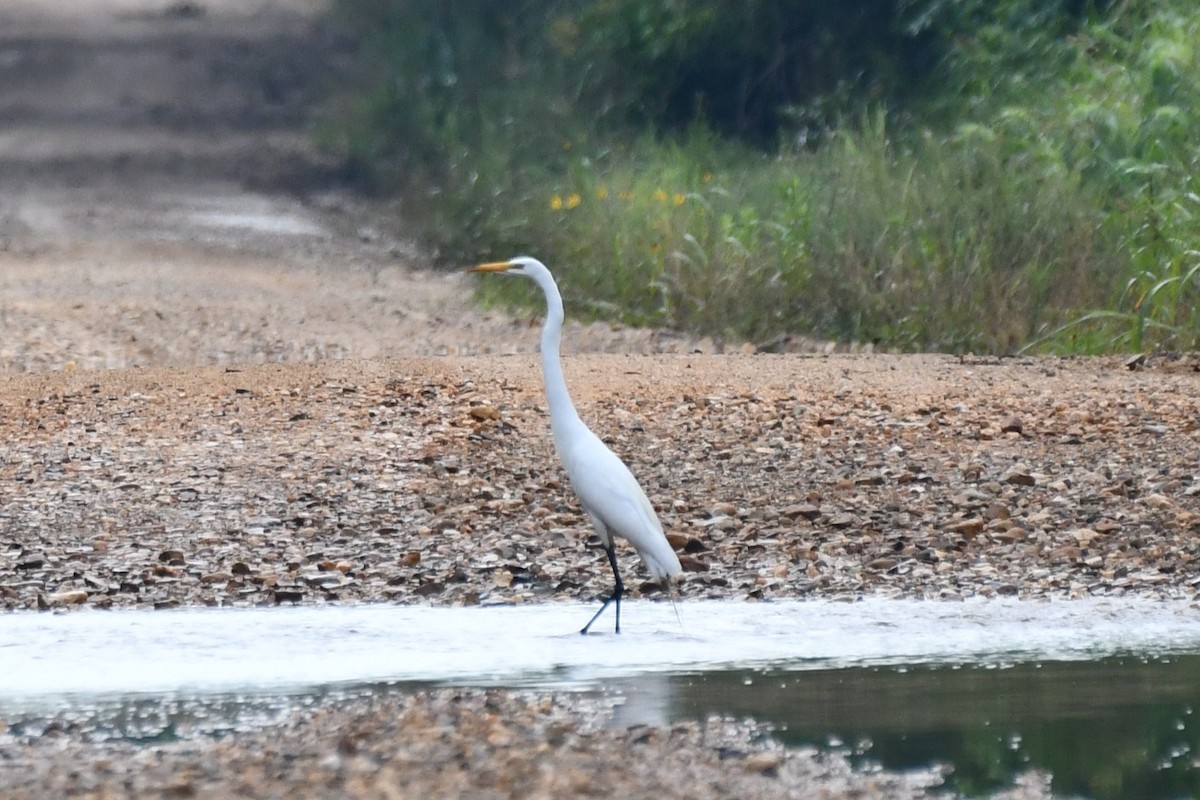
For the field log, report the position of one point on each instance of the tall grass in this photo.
(950, 244)
(1133, 129)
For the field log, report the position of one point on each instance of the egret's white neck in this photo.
(563, 416)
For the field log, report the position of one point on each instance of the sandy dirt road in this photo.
(164, 204)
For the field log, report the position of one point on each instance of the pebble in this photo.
(968, 528)
(765, 763)
(1019, 478)
(30, 562)
(484, 413)
(69, 597)
(1012, 424)
(805, 510)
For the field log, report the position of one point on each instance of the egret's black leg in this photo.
(618, 590)
(618, 587)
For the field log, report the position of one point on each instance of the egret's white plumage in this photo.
(607, 489)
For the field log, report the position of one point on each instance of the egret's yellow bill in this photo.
(492, 266)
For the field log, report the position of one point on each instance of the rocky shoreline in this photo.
(433, 481)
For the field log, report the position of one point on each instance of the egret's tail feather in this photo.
(661, 561)
(673, 596)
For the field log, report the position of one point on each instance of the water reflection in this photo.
(1114, 728)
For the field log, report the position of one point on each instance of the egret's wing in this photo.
(609, 491)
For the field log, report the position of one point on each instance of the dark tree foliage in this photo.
(756, 70)
(753, 68)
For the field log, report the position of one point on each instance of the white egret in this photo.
(607, 489)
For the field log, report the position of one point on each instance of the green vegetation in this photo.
(972, 175)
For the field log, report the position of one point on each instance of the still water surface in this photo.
(1118, 727)
(1099, 693)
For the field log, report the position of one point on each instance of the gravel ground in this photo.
(435, 481)
(474, 743)
(228, 382)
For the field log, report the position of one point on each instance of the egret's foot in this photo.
(615, 596)
(618, 590)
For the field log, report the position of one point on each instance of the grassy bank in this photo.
(1049, 206)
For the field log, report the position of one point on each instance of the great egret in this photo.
(607, 489)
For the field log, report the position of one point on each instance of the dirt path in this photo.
(157, 211)
(163, 204)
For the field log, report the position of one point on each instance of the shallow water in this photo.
(1119, 727)
(207, 650)
(1099, 692)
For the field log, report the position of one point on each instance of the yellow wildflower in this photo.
(660, 195)
(707, 177)
(602, 193)
(677, 198)
(573, 200)
(556, 203)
